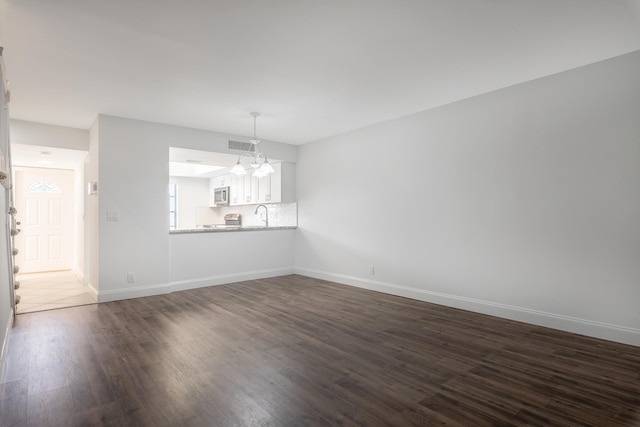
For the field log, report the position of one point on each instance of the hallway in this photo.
(51, 290)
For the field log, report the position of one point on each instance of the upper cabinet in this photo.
(265, 188)
(221, 181)
(247, 189)
(250, 189)
(277, 187)
(237, 190)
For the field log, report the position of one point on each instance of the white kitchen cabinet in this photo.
(270, 186)
(279, 186)
(248, 190)
(243, 190)
(237, 190)
(264, 188)
(221, 181)
(276, 184)
(212, 186)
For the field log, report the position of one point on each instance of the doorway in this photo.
(44, 200)
(49, 201)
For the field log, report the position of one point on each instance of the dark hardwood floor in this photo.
(292, 351)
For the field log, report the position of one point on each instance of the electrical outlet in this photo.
(131, 277)
(372, 270)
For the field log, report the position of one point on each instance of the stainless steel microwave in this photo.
(221, 196)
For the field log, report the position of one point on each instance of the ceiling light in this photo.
(238, 169)
(44, 160)
(257, 160)
(266, 166)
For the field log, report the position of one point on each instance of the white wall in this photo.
(205, 259)
(132, 179)
(524, 203)
(133, 159)
(31, 133)
(192, 193)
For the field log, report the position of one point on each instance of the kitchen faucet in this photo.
(266, 214)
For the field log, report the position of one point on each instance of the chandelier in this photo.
(258, 162)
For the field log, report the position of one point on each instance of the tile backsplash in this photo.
(280, 214)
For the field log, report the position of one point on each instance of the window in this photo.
(43, 187)
(173, 206)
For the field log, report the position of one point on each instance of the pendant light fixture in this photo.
(238, 169)
(259, 163)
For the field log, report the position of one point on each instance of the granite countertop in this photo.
(228, 228)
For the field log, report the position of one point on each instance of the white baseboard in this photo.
(182, 285)
(590, 328)
(4, 348)
(93, 290)
(134, 292)
(78, 274)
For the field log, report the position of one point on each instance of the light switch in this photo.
(112, 216)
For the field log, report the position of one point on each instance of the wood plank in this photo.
(294, 350)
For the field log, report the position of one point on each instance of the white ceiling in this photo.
(46, 157)
(194, 163)
(312, 68)
(184, 155)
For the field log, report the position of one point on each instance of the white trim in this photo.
(4, 349)
(135, 292)
(182, 285)
(586, 327)
(93, 290)
(79, 275)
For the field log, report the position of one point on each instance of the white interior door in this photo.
(44, 200)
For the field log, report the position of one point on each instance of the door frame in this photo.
(77, 239)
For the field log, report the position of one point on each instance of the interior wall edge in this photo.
(621, 334)
(5, 345)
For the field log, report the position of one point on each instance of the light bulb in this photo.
(266, 168)
(238, 169)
